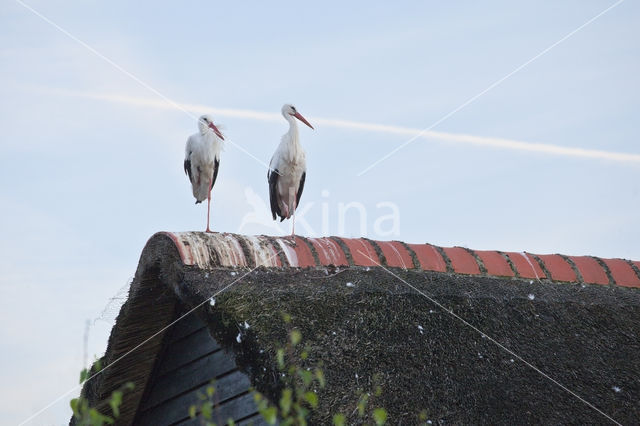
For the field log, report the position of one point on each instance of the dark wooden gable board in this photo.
(190, 358)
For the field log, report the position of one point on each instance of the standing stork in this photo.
(201, 160)
(287, 170)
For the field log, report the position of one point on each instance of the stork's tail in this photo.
(201, 191)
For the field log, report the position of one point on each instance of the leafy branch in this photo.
(299, 395)
(86, 415)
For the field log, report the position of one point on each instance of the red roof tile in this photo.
(230, 250)
(462, 261)
(526, 265)
(396, 254)
(590, 270)
(495, 263)
(329, 252)
(622, 273)
(559, 268)
(429, 258)
(362, 253)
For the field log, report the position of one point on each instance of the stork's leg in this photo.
(293, 227)
(208, 213)
(209, 206)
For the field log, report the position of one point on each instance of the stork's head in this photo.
(205, 122)
(289, 110)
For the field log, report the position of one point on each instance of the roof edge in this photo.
(136, 339)
(215, 250)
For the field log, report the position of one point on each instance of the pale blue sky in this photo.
(85, 181)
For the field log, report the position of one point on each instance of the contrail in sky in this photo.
(369, 127)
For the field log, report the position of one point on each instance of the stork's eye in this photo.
(293, 108)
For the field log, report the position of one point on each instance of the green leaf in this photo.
(129, 386)
(320, 377)
(423, 415)
(362, 404)
(380, 416)
(74, 406)
(193, 411)
(280, 357)
(378, 391)
(296, 337)
(117, 397)
(210, 391)
(114, 403)
(84, 406)
(230, 422)
(261, 401)
(302, 414)
(207, 410)
(306, 376)
(339, 419)
(285, 401)
(83, 375)
(98, 419)
(269, 415)
(311, 398)
(286, 317)
(304, 355)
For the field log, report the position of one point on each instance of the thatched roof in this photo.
(391, 314)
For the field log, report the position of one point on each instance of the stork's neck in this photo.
(210, 139)
(209, 135)
(211, 143)
(292, 134)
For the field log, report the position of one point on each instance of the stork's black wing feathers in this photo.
(187, 167)
(300, 188)
(272, 175)
(216, 166)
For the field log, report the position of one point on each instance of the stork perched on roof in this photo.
(201, 161)
(287, 170)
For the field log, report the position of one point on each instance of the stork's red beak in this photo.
(215, 129)
(301, 118)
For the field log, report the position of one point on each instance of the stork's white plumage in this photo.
(288, 170)
(201, 160)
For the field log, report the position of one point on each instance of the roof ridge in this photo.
(215, 250)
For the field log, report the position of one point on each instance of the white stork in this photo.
(287, 170)
(201, 160)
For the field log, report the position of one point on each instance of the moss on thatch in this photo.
(367, 328)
